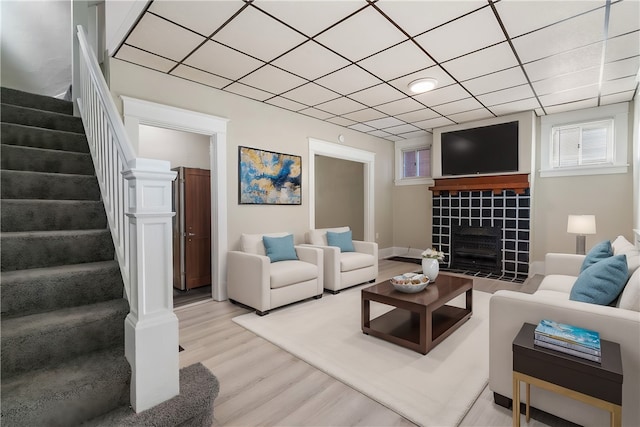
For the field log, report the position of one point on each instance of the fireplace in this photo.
(476, 248)
(490, 203)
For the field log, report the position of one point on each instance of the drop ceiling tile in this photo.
(361, 127)
(515, 107)
(365, 115)
(617, 97)
(564, 63)
(521, 17)
(200, 76)
(310, 94)
(385, 122)
(258, 35)
(341, 121)
(309, 17)
(623, 68)
(379, 133)
(443, 95)
(376, 95)
(202, 17)
(434, 123)
(417, 116)
(405, 13)
(163, 38)
(248, 91)
(585, 77)
(415, 134)
(466, 34)
(397, 61)
(562, 37)
(348, 80)
(495, 81)
(311, 61)
(623, 47)
(234, 66)
(435, 72)
(273, 79)
(401, 129)
(340, 106)
(624, 17)
(569, 96)
(492, 59)
(507, 95)
(460, 106)
(285, 103)
(140, 57)
(571, 106)
(468, 116)
(347, 37)
(400, 106)
(313, 112)
(619, 85)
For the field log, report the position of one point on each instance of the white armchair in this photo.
(253, 280)
(345, 269)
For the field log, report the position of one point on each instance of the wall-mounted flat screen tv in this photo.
(482, 150)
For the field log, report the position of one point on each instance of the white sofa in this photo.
(509, 310)
(345, 269)
(255, 281)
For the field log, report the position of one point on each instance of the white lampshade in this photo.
(581, 224)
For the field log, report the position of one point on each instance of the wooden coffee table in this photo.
(422, 320)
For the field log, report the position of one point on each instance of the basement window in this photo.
(413, 162)
(585, 142)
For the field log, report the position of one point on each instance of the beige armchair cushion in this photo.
(350, 261)
(319, 236)
(252, 243)
(285, 273)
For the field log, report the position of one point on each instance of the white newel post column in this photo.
(151, 328)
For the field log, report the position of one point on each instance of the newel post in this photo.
(151, 327)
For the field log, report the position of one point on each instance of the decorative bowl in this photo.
(410, 283)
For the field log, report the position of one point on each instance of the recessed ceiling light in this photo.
(423, 85)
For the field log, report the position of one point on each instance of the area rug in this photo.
(436, 389)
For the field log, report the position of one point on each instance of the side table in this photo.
(596, 384)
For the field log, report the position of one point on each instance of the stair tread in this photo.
(69, 393)
(36, 273)
(52, 174)
(71, 123)
(45, 150)
(53, 320)
(23, 98)
(53, 233)
(58, 140)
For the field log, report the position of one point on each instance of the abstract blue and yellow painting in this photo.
(269, 178)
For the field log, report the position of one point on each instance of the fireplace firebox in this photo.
(476, 248)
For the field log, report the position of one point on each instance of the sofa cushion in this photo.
(630, 297)
(280, 248)
(597, 253)
(602, 282)
(319, 235)
(285, 273)
(557, 283)
(342, 240)
(556, 295)
(622, 246)
(252, 243)
(350, 261)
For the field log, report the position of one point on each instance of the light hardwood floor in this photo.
(262, 385)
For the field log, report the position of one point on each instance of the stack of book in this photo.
(568, 339)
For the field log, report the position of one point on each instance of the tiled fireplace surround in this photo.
(491, 203)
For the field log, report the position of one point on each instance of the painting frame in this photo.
(269, 178)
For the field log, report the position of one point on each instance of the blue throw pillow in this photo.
(280, 248)
(341, 240)
(602, 250)
(602, 282)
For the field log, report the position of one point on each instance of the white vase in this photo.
(430, 268)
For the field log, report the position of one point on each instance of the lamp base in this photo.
(580, 244)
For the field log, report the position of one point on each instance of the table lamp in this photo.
(581, 225)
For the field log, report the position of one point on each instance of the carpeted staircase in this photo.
(62, 299)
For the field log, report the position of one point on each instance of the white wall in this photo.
(36, 61)
(180, 148)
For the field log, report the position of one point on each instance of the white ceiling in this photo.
(349, 62)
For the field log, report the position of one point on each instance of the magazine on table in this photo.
(569, 351)
(566, 344)
(568, 333)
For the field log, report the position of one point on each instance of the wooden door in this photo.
(197, 217)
